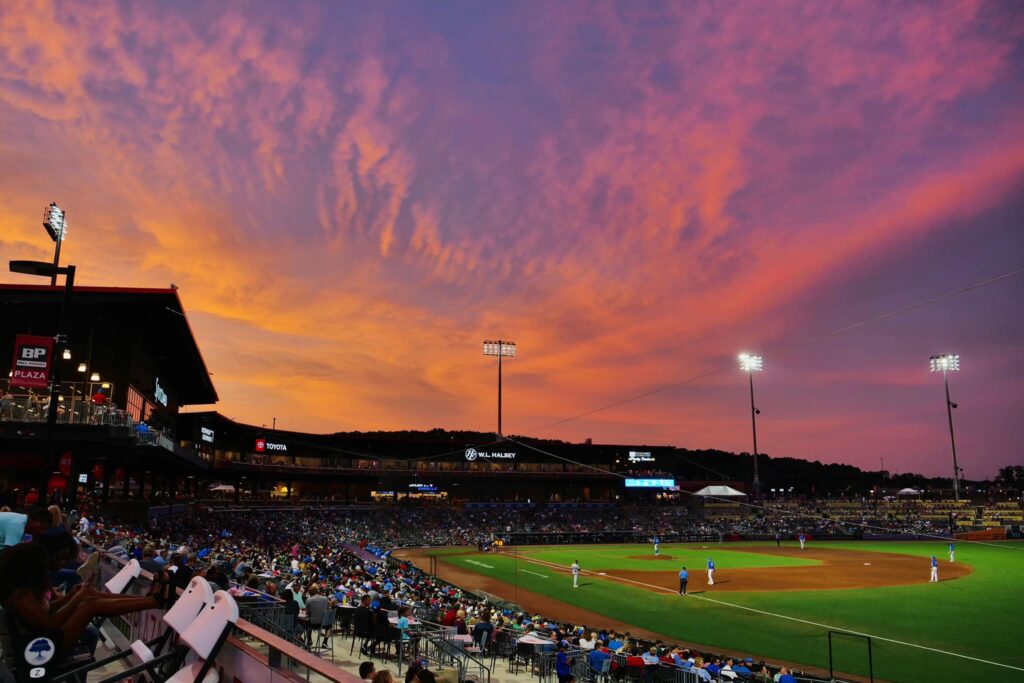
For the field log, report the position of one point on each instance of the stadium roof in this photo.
(154, 317)
(719, 491)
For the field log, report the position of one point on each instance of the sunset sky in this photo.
(352, 196)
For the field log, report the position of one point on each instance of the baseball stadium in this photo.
(449, 341)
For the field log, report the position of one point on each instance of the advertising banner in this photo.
(33, 359)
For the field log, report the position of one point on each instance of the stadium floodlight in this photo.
(501, 349)
(947, 363)
(94, 377)
(55, 220)
(67, 354)
(750, 364)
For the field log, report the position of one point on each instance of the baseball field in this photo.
(779, 604)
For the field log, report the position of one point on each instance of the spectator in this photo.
(366, 669)
(14, 526)
(563, 665)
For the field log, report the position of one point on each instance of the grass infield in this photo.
(979, 615)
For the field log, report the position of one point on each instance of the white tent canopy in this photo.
(908, 492)
(725, 491)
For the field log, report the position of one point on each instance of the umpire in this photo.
(684, 576)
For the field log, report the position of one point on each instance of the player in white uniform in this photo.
(952, 551)
(657, 546)
(803, 539)
(575, 569)
(935, 571)
(711, 572)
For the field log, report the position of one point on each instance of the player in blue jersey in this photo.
(657, 546)
(935, 571)
(803, 539)
(952, 551)
(711, 572)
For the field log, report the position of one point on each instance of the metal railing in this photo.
(74, 409)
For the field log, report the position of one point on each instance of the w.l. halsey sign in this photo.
(472, 454)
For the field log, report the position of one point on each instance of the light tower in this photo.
(501, 349)
(947, 363)
(751, 364)
(55, 220)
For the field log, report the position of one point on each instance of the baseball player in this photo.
(952, 551)
(575, 569)
(711, 572)
(684, 576)
(935, 571)
(803, 539)
(657, 546)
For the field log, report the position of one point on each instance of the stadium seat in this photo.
(120, 581)
(148, 656)
(206, 636)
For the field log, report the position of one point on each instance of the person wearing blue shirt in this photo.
(614, 644)
(711, 572)
(952, 549)
(684, 576)
(597, 657)
(803, 539)
(935, 571)
(657, 546)
(563, 666)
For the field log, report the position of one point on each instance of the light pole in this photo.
(501, 349)
(43, 269)
(55, 220)
(751, 364)
(946, 364)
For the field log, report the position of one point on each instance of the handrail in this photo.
(276, 645)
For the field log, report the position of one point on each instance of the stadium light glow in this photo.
(81, 367)
(501, 349)
(95, 377)
(67, 354)
(751, 363)
(947, 363)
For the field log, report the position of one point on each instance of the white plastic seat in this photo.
(205, 636)
(119, 581)
(191, 672)
(180, 616)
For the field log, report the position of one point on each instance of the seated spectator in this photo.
(588, 643)
(784, 676)
(383, 677)
(598, 656)
(25, 585)
(366, 669)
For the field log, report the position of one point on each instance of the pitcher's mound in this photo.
(651, 557)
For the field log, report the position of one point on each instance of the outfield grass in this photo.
(694, 556)
(979, 615)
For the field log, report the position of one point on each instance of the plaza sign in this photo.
(641, 456)
(33, 357)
